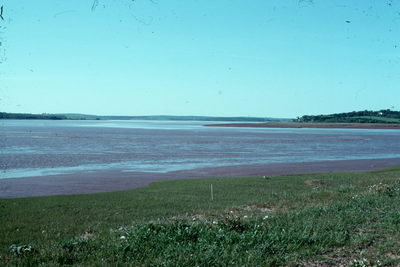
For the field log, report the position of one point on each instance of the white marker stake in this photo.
(212, 193)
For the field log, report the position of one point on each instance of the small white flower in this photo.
(215, 222)
(265, 217)
(245, 216)
(122, 228)
(122, 237)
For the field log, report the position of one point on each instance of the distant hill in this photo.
(172, 118)
(366, 116)
(77, 116)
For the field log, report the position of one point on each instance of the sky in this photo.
(265, 58)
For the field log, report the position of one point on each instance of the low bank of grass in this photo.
(332, 218)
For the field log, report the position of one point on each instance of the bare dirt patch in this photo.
(315, 183)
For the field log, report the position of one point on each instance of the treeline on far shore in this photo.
(77, 116)
(365, 116)
(28, 116)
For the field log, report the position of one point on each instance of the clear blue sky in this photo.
(272, 58)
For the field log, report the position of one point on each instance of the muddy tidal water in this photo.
(39, 148)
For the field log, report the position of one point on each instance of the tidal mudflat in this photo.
(66, 157)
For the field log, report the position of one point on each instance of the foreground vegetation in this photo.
(333, 218)
(366, 116)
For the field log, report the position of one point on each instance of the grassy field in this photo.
(313, 219)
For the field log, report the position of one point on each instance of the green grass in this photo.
(332, 218)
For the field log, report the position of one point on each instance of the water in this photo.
(36, 148)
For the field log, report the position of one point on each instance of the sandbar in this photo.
(392, 126)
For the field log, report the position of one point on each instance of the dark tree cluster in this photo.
(28, 116)
(365, 116)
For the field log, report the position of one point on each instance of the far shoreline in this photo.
(383, 126)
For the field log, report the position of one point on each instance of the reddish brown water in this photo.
(68, 157)
(39, 148)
